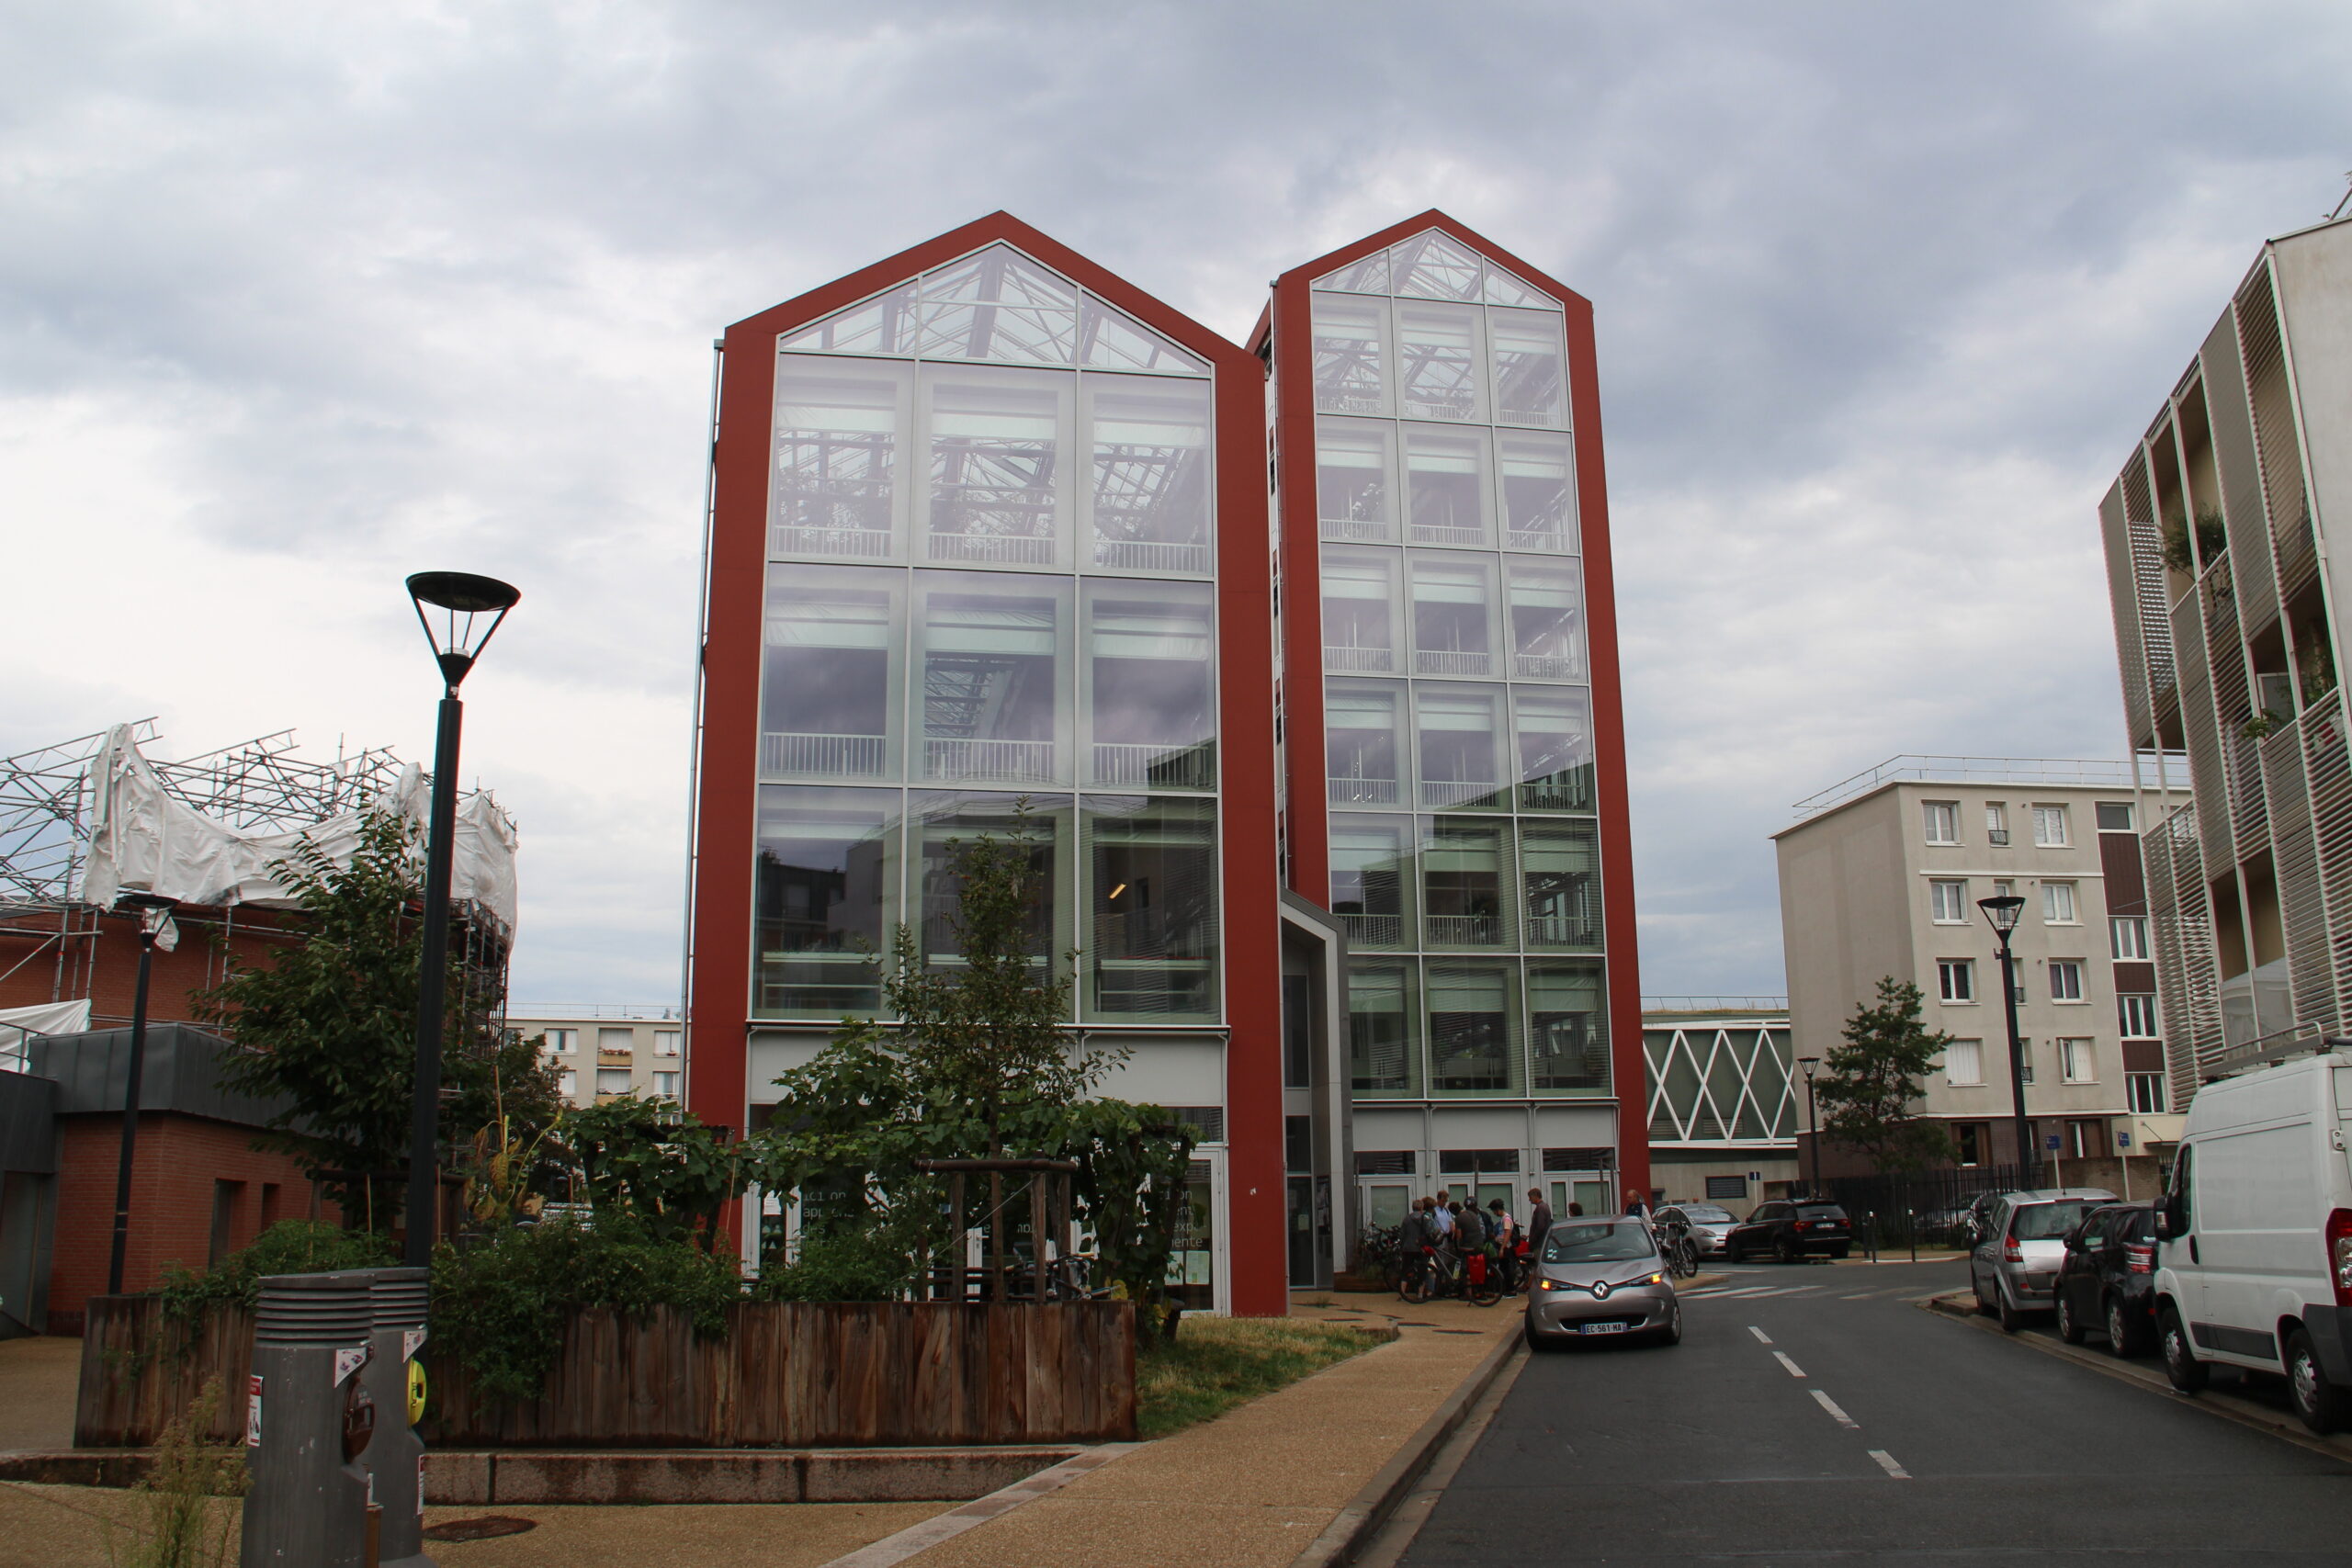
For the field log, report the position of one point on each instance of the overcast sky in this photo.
(299, 299)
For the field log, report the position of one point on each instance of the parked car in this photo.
(2013, 1268)
(2106, 1282)
(1601, 1277)
(1708, 1223)
(2253, 1254)
(1792, 1230)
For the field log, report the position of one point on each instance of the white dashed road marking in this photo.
(1831, 1405)
(1887, 1462)
(1783, 1357)
(1761, 1337)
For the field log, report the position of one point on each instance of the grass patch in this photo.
(1219, 1362)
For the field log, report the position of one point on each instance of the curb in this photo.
(1364, 1513)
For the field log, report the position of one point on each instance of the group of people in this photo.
(1448, 1228)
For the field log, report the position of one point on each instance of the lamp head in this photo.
(1808, 1064)
(452, 607)
(2003, 911)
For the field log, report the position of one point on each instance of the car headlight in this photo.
(1653, 1278)
(1547, 1285)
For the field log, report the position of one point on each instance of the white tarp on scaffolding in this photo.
(143, 840)
(21, 1024)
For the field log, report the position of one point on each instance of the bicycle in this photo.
(1674, 1245)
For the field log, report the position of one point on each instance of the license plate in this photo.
(1601, 1329)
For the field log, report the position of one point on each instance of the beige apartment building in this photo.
(603, 1052)
(1881, 877)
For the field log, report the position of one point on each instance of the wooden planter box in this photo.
(788, 1374)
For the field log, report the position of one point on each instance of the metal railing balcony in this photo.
(1456, 792)
(1363, 530)
(793, 539)
(1552, 539)
(1451, 661)
(1548, 667)
(1541, 796)
(1001, 549)
(1462, 930)
(1191, 766)
(1005, 761)
(834, 756)
(1143, 555)
(1433, 533)
(1359, 661)
(1361, 791)
(1562, 930)
(1376, 931)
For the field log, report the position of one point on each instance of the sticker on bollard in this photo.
(349, 1361)
(252, 1410)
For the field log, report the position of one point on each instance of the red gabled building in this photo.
(989, 523)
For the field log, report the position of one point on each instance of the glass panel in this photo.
(1445, 482)
(881, 325)
(828, 695)
(950, 817)
(1530, 385)
(995, 703)
(1433, 266)
(1559, 866)
(1453, 614)
(1360, 612)
(1150, 942)
(1151, 697)
(1547, 621)
(999, 275)
(1364, 742)
(1371, 864)
(1474, 1015)
(1461, 745)
(825, 890)
(1502, 288)
(1149, 444)
(1369, 276)
(1347, 355)
(1383, 1036)
(997, 489)
(997, 304)
(1539, 494)
(1437, 362)
(836, 455)
(1568, 1035)
(1110, 341)
(1465, 872)
(1355, 463)
(1554, 734)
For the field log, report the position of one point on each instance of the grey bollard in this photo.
(308, 1507)
(395, 1457)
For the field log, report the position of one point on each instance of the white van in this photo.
(2254, 1265)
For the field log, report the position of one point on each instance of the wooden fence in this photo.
(787, 1374)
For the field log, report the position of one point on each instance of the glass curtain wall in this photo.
(991, 546)
(1465, 845)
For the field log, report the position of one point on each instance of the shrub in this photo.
(844, 1265)
(289, 1246)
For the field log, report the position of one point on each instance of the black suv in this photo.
(1792, 1230)
(2106, 1282)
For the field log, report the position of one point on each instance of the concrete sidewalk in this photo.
(1256, 1487)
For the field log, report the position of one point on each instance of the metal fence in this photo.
(1926, 1206)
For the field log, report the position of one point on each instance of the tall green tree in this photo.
(328, 1025)
(1870, 1085)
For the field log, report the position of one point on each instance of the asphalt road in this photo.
(1908, 1439)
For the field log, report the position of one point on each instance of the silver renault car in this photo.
(1601, 1277)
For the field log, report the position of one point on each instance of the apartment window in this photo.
(2065, 979)
(2115, 817)
(1956, 980)
(1941, 818)
(2058, 904)
(2144, 1092)
(665, 1085)
(1949, 902)
(562, 1042)
(2135, 1011)
(2076, 1063)
(2025, 1061)
(567, 1083)
(2004, 889)
(617, 1042)
(1996, 823)
(1964, 1062)
(613, 1080)
(1970, 1140)
(2049, 826)
(2128, 934)
(665, 1041)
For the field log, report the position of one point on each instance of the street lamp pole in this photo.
(2002, 914)
(1813, 1125)
(155, 928)
(459, 601)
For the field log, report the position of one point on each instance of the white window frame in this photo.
(2077, 1059)
(2127, 938)
(1958, 891)
(627, 1074)
(1997, 822)
(1952, 1059)
(2053, 895)
(668, 1090)
(567, 1083)
(562, 1042)
(665, 1041)
(2131, 815)
(2141, 1102)
(2070, 966)
(2045, 816)
(1935, 814)
(1964, 969)
(2144, 1002)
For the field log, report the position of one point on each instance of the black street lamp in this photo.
(2002, 914)
(155, 930)
(1813, 1125)
(461, 613)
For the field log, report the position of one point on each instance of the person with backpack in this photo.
(1504, 1230)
